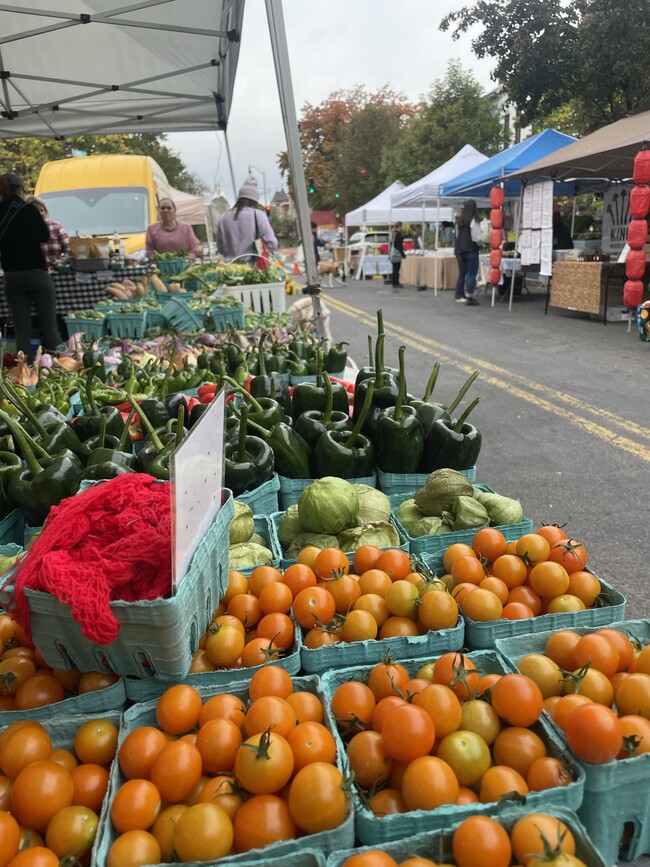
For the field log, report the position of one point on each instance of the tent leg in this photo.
(573, 215)
(232, 173)
(514, 270)
(285, 89)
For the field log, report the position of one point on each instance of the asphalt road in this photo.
(564, 411)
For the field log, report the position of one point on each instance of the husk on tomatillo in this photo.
(245, 555)
(382, 534)
(289, 526)
(317, 540)
(328, 505)
(440, 490)
(374, 505)
(242, 525)
(501, 510)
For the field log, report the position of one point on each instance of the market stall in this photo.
(591, 287)
(436, 270)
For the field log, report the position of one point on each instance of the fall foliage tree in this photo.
(589, 53)
(348, 129)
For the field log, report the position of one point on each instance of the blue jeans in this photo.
(467, 271)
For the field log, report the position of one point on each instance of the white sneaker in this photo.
(460, 300)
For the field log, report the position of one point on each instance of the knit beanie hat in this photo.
(248, 189)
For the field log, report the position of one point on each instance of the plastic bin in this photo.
(422, 545)
(125, 325)
(263, 500)
(264, 527)
(291, 489)
(12, 528)
(372, 829)
(285, 562)
(438, 845)
(145, 714)
(402, 483)
(100, 701)
(182, 317)
(92, 329)
(224, 317)
(171, 267)
(616, 794)
(480, 635)
(262, 297)
(156, 638)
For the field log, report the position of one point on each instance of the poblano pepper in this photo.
(453, 444)
(291, 454)
(248, 460)
(312, 423)
(269, 383)
(429, 413)
(337, 357)
(346, 455)
(263, 411)
(385, 390)
(105, 453)
(399, 440)
(92, 357)
(309, 396)
(87, 425)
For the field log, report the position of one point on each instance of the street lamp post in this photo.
(264, 189)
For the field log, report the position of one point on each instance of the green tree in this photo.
(324, 129)
(25, 156)
(454, 113)
(590, 53)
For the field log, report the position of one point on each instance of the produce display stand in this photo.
(591, 287)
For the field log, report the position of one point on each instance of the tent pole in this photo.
(573, 215)
(435, 270)
(232, 174)
(285, 89)
(512, 279)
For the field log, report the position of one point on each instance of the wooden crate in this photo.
(581, 286)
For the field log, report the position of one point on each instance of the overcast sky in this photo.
(335, 44)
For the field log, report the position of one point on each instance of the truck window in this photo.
(100, 211)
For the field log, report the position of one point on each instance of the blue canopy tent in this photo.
(477, 182)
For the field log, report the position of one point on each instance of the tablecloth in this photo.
(376, 265)
(78, 291)
(421, 271)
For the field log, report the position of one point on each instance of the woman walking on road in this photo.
(468, 243)
(396, 254)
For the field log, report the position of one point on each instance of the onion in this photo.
(207, 340)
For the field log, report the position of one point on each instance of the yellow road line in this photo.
(541, 399)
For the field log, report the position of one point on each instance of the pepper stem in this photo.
(379, 357)
(319, 367)
(329, 400)
(263, 432)
(260, 353)
(461, 394)
(165, 383)
(102, 430)
(370, 355)
(89, 390)
(12, 395)
(237, 387)
(125, 432)
(180, 430)
(356, 430)
(380, 322)
(463, 418)
(401, 394)
(243, 426)
(155, 439)
(18, 434)
(431, 384)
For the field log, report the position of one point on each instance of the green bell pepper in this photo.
(452, 444)
(105, 452)
(291, 453)
(312, 423)
(92, 357)
(337, 357)
(87, 425)
(429, 411)
(385, 391)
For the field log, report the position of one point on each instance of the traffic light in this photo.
(267, 208)
(362, 171)
(312, 185)
(337, 195)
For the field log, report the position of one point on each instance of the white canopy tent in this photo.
(85, 67)
(426, 192)
(379, 211)
(189, 209)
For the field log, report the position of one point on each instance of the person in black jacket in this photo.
(397, 244)
(26, 280)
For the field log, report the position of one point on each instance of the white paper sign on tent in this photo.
(547, 205)
(196, 480)
(527, 208)
(546, 252)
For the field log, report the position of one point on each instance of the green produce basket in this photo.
(353, 653)
(285, 562)
(300, 858)
(182, 317)
(479, 635)
(12, 528)
(263, 500)
(113, 698)
(125, 325)
(438, 844)
(144, 714)
(92, 329)
(264, 528)
(156, 638)
(291, 489)
(408, 483)
(171, 267)
(422, 545)
(371, 829)
(223, 317)
(179, 296)
(155, 319)
(617, 795)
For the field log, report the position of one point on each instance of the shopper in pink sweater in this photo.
(170, 236)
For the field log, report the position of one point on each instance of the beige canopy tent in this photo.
(607, 153)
